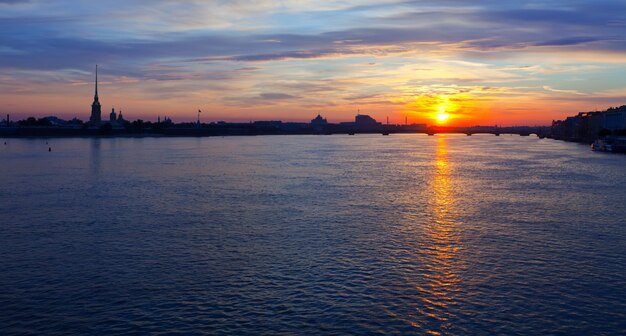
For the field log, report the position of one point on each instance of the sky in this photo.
(477, 62)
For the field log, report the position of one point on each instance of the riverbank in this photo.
(208, 130)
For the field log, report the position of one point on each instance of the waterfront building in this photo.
(116, 120)
(615, 118)
(319, 121)
(365, 122)
(96, 107)
(6, 122)
(319, 124)
(588, 126)
(166, 121)
(55, 121)
(362, 122)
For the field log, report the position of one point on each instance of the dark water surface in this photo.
(365, 234)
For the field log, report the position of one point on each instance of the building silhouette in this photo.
(96, 108)
(589, 126)
(319, 121)
(95, 120)
(364, 121)
(319, 124)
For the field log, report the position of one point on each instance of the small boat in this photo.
(602, 145)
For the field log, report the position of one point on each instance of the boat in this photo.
(610, 144)
(600, 145)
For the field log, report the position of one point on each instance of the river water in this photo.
(364, 234)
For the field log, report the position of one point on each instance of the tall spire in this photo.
(96, 95)
(96, 111)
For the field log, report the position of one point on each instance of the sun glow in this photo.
(441, 114)
(449, 109)
(442, 117)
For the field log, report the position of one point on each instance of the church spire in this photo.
(96, 95)
(96, 112)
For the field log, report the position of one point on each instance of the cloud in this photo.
(573, 92)
(568, 41)
(275, 96)
(50, 39)
(308, 53)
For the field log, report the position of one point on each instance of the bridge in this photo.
(539, 131)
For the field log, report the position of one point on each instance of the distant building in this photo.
(96, 108)
(319, 121)
(6, 122)
(588, 126)
(116, 120)
(362, 122)
(55, 121)
(365, 122)
(166, 121)
(319, 124)
(615, 118)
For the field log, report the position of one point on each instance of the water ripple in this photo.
(356, 235)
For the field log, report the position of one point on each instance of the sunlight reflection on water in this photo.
(441, 278)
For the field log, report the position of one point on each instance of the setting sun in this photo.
(442, 117)
(450, 109)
